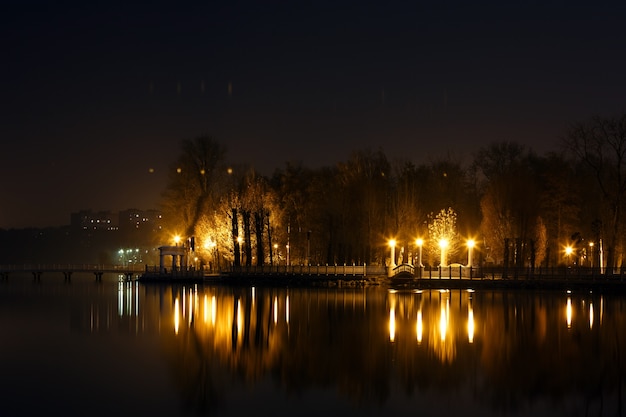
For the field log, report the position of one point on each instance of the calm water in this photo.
(86, 348)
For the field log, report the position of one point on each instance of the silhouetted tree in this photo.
(193, 183)
(600, 143)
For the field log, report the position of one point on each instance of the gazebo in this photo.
(179, 256)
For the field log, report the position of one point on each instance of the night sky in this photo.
(97, 94)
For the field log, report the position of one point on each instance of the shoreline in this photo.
(612, 284)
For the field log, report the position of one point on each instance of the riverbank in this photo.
(604, 284)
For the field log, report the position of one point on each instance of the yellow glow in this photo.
(287, 310)
(443, 322)
(392, 325)
(209, 243)
(206, 309)
(569, 312)
(213, 310)
(590, 315)
(601, 309)
(470, 323)
(191, 299)
(239, 239)
(568, 250)
(419, 242)
(275, 309)
(443, 243)
(239, 320)
(392, 243)
(471, 243)
(176, 316)
(419, 327)
(177, 239)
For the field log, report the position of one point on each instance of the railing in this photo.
(312, 270)
(404, 269)
(71, 268)
(523, 273)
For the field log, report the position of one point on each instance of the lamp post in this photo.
(470, 251)
(420, 243)
(568, 253)
(443, 244)
(392, 247)
(591, 254)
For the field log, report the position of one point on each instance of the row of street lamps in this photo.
(443, 245)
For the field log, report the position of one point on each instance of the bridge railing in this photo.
(71, 268)
(312, 270)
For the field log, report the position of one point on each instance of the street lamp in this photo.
(443, 244)
(470, 250)
(176, 240)
(392, 245)
(591, 254)
(420, 243)
(568, 252)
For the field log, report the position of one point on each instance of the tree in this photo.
(600, 144)
(443, 233)
(194, 183)
(509, 206)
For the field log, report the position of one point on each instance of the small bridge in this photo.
(403, 271)
(67, 270)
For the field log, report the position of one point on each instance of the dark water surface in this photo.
(119, 348)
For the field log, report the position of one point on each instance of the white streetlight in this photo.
(568, 252)
(443, 244)
(392, 245)
(420, 243)
(470, 250)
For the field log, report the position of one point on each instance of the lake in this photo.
(119, 348)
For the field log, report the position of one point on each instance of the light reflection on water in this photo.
(216, 350)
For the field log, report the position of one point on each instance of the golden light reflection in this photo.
(591, 315)
(239, 321)
(213, 310)
(206, 309)
(275, 309)
(287, 310)
(392, 325)
(470, 322)
(443, 320)
(419, 327)
(190, 306)
(569, 312)
(176, 316)
(601, 309)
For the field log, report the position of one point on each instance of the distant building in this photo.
(90, 220)
(140, 220)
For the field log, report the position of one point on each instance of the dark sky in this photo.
(95, 94)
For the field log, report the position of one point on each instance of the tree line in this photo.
(521, 208)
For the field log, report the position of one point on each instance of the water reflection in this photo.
(234, 350)
(508, 349)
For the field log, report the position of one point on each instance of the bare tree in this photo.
(193, 182)
(600, 144)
